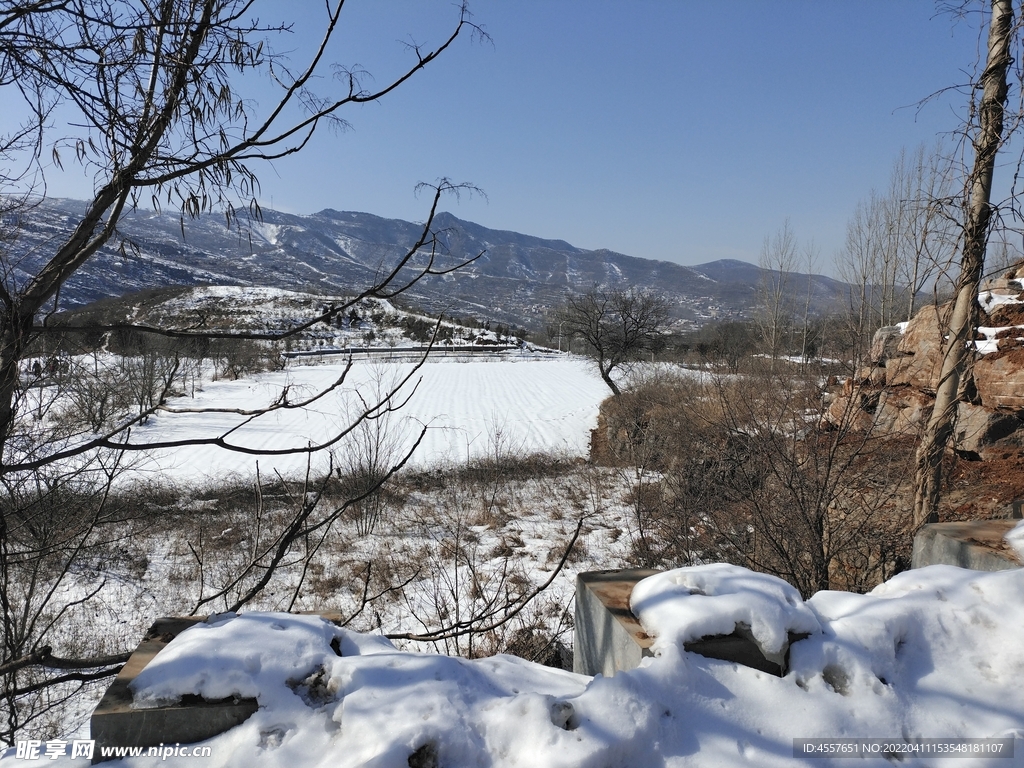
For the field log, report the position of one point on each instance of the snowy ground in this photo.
(450, 541)
(932, 654)
(465, 406)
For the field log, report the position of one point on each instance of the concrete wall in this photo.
(977, 545)
(115, 723)
(608, 638)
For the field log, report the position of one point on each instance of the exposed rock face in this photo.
(918, 353)
(1000, 378)
(903, 410)
(885, 344)
(896, 393)
(986, 432)
(1007, 315)
(852, 411)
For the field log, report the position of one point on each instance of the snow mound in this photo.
(1015, 538)
(690, 603)
(933, 653)
(357, 702)
(244, 656)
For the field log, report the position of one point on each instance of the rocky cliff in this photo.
(896, 391)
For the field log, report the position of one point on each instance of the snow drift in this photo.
(934, 652)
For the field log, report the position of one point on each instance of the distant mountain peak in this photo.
(520, 280)
(727, 263)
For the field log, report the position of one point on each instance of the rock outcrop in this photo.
(918, 353)
(1000, 378)
(895, 393)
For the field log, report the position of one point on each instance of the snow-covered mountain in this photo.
(515, 278)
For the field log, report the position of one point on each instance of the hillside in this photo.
(517, 279)
(368, 324)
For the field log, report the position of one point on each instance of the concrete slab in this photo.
(740, 647)
(115, 723)
(609, 639)
(977, 544)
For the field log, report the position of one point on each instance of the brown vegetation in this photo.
(742, 469)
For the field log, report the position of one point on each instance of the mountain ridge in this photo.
(513, 278)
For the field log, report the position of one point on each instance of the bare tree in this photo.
(615, 326)
(862, 266)
(369, 455)
(777, 261)
(962, 314)
(153, 107)
(811, 254)
(155, 90)
(921, 188)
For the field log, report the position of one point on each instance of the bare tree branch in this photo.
(505, 612)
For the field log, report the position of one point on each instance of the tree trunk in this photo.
(605, 368)
(14, 330)
(963, 313)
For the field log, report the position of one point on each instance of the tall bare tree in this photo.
(777, 260)
(858, 261)
(987, 138)
(920, 187)
(152, 104)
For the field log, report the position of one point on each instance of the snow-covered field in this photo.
(468, 409)
(934, 653)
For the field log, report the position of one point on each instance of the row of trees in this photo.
(898, 252)
(900, 242)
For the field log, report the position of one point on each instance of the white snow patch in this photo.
(933, 653)
(545, 405)
(269, 232)
(1015, 538)
(990, 300)
(990, 343)
(278, 647)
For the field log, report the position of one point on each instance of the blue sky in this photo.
(685, 131)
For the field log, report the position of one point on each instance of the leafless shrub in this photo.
(235, 358)
(745, 470)
(61, 533)
(370, 451)
(532, 638)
